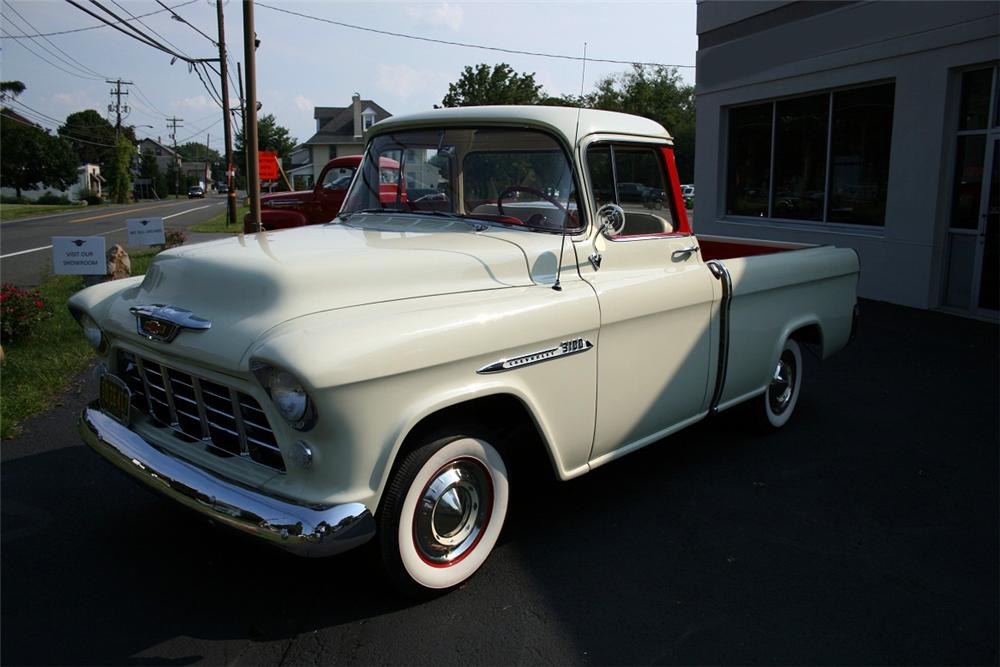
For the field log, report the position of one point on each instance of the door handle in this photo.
(685, 251)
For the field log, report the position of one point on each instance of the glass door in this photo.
(972, 279)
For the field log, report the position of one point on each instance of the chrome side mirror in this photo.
(611, 218)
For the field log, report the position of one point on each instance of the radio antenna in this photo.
(576, 137)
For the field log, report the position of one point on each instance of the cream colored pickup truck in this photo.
(377, 376)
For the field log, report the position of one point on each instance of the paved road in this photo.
(25, 243)
(865, 532)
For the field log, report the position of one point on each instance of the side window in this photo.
(633, 177)
(338, 178)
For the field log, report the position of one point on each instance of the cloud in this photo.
(405, 81)
(75, 101)
(303, 103)
(196, 103)
(441, 13)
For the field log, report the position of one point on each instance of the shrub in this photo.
(174, 238)
(20, 311)
(49, 198)
(10, 199)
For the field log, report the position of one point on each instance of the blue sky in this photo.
(303, 63)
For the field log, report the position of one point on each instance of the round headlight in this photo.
(288, 396)
(92, 332)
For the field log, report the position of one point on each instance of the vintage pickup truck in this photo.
(379, 375)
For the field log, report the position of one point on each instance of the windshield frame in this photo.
(583, 223)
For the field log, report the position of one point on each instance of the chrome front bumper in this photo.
(305, 531)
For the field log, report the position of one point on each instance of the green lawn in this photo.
(14, 211)
(218, 223)
(37, 369)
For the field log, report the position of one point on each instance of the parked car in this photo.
(196, 191)
(222, 188)
(284, 210)
(379, 376)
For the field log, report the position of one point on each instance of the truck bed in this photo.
(729, 247)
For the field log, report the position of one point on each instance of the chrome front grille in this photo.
(199, 411)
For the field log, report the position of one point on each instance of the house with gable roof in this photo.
(339, 131)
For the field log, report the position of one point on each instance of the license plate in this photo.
(115, 397)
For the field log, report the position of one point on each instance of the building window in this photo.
(818, 158)
(368, 120)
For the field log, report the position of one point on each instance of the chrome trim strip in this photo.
(303, 530)
(177, 318)
(564, 349)
(720, 271)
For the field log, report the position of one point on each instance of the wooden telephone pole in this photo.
(250, 109)
(173, 135)
(226, 120)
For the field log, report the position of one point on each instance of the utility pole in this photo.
(250, 109)
(172, 122)
(243, 120)
(226, 120)
(117, 107)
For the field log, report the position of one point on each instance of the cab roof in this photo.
(562, 120)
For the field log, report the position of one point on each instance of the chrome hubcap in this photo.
(779, 393)
(453, 511)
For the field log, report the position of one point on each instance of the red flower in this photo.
(39, 304)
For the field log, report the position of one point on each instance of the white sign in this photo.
(81, 255)
(145, 231)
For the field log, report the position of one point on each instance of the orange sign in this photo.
(267, 165)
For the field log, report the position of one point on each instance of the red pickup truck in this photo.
(283, 210)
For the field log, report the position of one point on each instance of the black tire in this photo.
(442, 512)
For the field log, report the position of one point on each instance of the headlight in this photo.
(92, 332)
(287, 394)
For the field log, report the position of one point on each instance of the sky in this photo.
(303, 63)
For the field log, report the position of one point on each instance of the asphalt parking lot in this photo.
(865, 532)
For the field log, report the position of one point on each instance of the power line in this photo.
(177, 17)
(27, 48)
(146, 26)
(82, 141)
(463, 44)
(104, 24)
(69, 60)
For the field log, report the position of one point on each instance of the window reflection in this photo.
(749, 160)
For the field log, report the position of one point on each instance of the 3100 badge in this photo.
(115, 398)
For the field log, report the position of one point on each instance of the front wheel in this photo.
(774, 408)
(442, 512)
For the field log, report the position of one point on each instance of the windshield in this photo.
(338, 178)
(510, 176)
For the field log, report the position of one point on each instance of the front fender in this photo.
(272, 219)
(375, 371)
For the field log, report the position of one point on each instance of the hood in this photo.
(246, 285)
(295, 195)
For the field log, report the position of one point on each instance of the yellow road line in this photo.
(131, 210)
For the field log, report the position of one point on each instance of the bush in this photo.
(50, 198)
(10, 199)
(20, 311)
(90, 197)
(174, 238)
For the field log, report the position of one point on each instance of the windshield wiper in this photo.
(478, 225)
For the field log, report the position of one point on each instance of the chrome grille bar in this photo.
(238, 418)
(145, 383)
(205, 434)
(169, 391)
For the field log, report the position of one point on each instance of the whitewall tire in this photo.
(442, 512)
(775, 407)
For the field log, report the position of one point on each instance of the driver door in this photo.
(328, 197)
(656, 300)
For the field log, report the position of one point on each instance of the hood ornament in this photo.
(162, 323)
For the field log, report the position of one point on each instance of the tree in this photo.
(150, 168)
(657, 93)
(497, 85)
(11, 89)
(270, 137)
(194, 150)
(93, 137)
(119, 171)
(33, 157)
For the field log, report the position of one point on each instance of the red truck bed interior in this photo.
(726, 247)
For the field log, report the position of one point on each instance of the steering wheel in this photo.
(524, 188)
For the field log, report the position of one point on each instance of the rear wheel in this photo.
(774, 408)
(442, 512)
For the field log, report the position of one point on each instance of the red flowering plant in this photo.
(20, 310)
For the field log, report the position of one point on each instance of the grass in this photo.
(14, 211)
(218, 223)
(40, 367)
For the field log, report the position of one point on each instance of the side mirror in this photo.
(611, 218)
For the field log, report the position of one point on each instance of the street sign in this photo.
(145, 231)
(267, 165)
(79, 255)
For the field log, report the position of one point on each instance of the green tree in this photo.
(150, 168)
(33, 157)
(270, 137)
(499, 84)
(173, 178)
(194, 150)
(119, 173)
(657, 93)
(11, 89)
(93, 137)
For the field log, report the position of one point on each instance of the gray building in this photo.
(872, 125)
